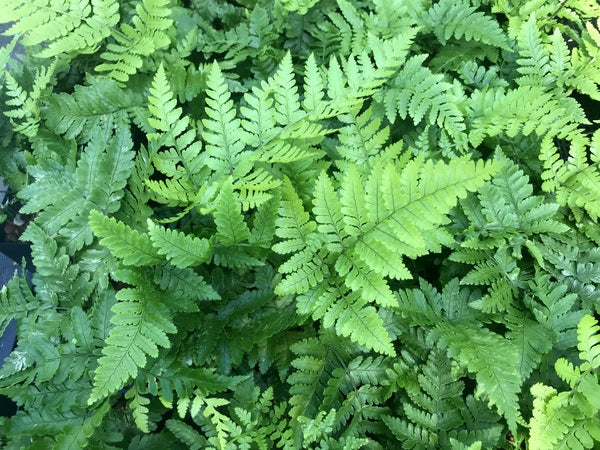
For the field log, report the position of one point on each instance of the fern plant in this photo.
(303, 224)
(570, 417)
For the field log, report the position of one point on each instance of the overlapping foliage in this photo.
(304, 224)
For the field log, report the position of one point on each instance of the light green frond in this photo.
(353, 203)
(275, 138)
(576, 181)
(180, 249)
(75, 27)
(451, 19)
(139, 408)
(306, 270)
(222, 130)
(527, 109)
(420, 94)
(313, 88)
(402, 211)
(293, 222)
(360, 323)
(25, 117)
(141, 322)
(362, 138)
(298, 6)
(231, 227)
(494, 371)
(569, 419)
(359, 277)
(588, 336)
(173, 192)
(124, 242)
(534, 61)
(255, 188)
(162, 106)
(177, 152)
(327, 210)
(287, 100)
(142, 38)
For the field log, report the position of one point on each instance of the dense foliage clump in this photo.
(304, 224)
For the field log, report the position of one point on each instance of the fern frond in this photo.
(450, 319)
(448, 18)
(526, 109)
(402, 210)
(124, 242)
(534, 64)
(231, 227)
(256, 188)
(362, 138)
(139, 407)
(576, 181)
(298, 6)
(75, 115)
(588, 336)
(5, 53)
(279, 143)
(570, 418)
(313, 88)
(60, 279)
(187, 434)
(554, 308)
(470, 344)
(134, 42)
(180, 157)
(504, 221)
(480, 77)
(180, 249)
(25, 117)
(141, 322)
(16, 301)
(319, 385)
(185, 285)
(360, 323)
(532, 339)
(98, 182)
(287, 100)
(419, 93)
(222, 130)
(263, 223)
(77, 27)
(411, 435)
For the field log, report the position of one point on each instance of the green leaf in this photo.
(180, 249)
(494, 370)
(231, 227)
(133, 248)
(141, 322)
